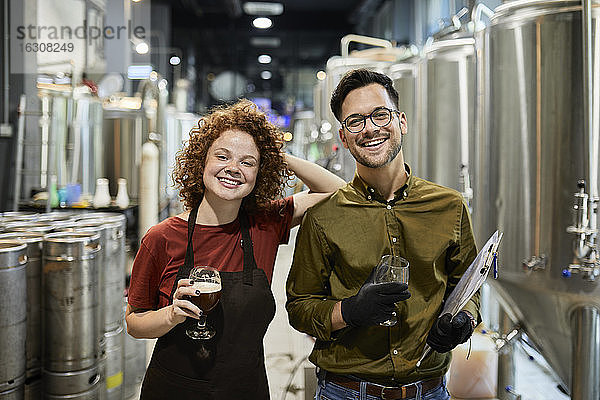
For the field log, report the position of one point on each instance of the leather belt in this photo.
(386, 392)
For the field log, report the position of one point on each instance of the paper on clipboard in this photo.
(471, 281)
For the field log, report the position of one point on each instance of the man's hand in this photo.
(447, 332)
(374, 303)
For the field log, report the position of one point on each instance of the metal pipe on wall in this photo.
(585, 364)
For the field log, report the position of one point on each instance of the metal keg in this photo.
(83, 384)
(114, 364)
(33, 388)
(115, 266)
(13, 312)
(33, 343)
(135, 365)
(70, 301)
(16, 393)
(29, 226)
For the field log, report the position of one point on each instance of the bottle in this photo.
(122, 197)
(102, 195)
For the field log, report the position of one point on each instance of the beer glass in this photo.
(391, 268)
(208, 281)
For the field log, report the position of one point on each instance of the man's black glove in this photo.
(374, 303)
(447, 332)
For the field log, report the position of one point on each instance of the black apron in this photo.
(231, 364)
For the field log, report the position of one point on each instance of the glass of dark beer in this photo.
(208, 282)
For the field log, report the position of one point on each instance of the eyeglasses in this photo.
(381, 116)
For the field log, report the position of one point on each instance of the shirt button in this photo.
(394, 239)
(395, 352)
(388, 207)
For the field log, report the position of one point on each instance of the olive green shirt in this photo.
(339, 242)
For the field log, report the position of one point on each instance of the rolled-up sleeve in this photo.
(309, 303)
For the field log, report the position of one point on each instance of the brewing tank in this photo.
(405, 75)
(543, 178)
(447, 98)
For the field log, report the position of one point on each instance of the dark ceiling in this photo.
(218, 34)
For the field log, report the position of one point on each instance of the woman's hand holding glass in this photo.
(182, 307)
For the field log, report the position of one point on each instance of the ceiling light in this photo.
(262, 23)
(174, 60)
(266, 75)
(262, 8)
(142, 48)
(321, 75)
(268, 42)
(264, 59)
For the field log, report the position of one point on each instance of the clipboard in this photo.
(471, 281)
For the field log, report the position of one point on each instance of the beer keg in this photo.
(33, 343)
(114, 364)
(70, 301)
(13, 314)
(83, 384)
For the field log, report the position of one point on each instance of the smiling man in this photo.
(332, 294)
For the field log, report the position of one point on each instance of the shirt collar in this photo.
(370, 193)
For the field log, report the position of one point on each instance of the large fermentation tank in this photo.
(537, 130)
(447, 98)
(405, 75)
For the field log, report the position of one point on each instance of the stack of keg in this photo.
(75, 334)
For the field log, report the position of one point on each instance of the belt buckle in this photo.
(383, 388)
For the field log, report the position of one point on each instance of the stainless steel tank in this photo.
(33, 341)
(542, 128)
(448, 117)
(70, 302)
(114, 363)
(405, 75)
(16, 393)
(124, 131)
(13, 314)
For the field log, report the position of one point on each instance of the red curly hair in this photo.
(245, 116)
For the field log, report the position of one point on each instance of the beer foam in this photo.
(207, 287)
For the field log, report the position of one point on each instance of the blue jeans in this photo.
(331, 391)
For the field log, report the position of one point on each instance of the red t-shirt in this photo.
(162, 251)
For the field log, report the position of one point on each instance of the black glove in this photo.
(374, 303)
(447, 332)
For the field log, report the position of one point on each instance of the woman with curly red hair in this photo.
(230, 174)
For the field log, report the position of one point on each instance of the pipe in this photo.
(506, 362)
(585, 356)
(586, 28)
(481, 9)
(346, 40)
(19, 156)
(6, 61)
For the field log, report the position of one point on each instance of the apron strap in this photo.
(249, 262)
(184, 270)
(247, 246)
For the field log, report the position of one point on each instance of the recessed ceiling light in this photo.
(266, 74)
(262, 23)
(264, 59)
(262, 8)
(174, 60)
(321, 75)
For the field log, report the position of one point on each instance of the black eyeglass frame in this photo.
(370, 116)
